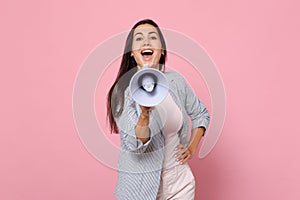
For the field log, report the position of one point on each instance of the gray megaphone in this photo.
(149, 87)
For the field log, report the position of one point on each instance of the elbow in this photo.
(134, 145)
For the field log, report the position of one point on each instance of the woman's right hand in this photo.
(142, 128)
(145, 111)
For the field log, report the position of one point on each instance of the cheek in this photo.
(159, 54)
(137, 57)
(157, 44)
(136, 54)
(136, 45)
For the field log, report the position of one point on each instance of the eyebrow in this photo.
(142, 33)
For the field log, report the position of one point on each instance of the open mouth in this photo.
(147, 52)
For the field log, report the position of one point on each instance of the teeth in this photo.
(147, 51)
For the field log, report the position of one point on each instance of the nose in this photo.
(146, 42)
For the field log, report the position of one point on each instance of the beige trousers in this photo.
(177, 183)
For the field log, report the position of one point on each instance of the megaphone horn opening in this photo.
(147, 88)
(147, 82)
(147, 75)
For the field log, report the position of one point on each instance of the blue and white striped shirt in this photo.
(140, 165)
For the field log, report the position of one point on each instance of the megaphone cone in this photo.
(149, 87)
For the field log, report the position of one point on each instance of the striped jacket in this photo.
(140, 165)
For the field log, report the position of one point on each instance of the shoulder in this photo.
(174, 76)
(128, 100)
(176, 79)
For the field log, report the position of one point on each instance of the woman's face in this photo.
(146, 46)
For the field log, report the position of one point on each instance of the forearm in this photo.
(142, 128)
(196, 136)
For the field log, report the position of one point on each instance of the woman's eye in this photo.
(138, 39)
(153, 37)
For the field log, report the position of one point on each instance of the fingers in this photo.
(144, 108)
(183, 154)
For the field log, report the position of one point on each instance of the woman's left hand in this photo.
(183, 154)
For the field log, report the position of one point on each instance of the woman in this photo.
(154, 140)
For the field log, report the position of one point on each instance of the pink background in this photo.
(255, 45)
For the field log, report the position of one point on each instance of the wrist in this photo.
(192, 148)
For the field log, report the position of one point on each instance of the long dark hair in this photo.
(115, 97)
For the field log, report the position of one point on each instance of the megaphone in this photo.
(149, 87)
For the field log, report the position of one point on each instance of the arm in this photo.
(196, 136)
(142, 128)
(186, 153)
(134, 129)
(200, 120)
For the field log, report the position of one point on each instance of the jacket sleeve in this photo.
(126, 123)
(195, 108)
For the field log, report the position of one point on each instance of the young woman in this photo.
(154, 141)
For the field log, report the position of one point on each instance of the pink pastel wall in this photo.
(254, 44)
